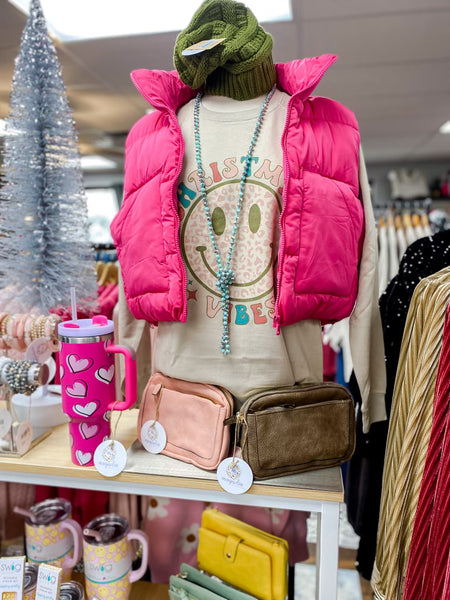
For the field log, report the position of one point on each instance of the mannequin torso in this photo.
(259, 358)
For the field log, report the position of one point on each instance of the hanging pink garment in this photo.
(130, 506)
(108, 295)
(172, 526)
(428, 568)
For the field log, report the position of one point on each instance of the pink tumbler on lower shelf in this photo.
(86, 359)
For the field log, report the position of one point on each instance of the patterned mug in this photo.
(52, 537)
(107, 554)
(88, 388)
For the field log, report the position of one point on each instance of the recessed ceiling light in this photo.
(445, 128)
(84, 19)
(95, 162)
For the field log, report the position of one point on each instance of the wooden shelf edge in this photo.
(50, 461)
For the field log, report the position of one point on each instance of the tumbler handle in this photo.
(141, 537)
(75, 530)
(130, 377)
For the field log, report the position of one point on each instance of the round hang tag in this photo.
(23, 437)
(5, 422)
(51, 364)
(39, 350)
(235, 475)
(153, 437)
(110, 458)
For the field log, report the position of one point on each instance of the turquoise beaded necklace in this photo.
(225, 274)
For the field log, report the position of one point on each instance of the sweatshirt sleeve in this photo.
(138, 335)
(366, 333)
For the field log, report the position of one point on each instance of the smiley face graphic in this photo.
(253, 257)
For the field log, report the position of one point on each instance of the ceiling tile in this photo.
(344, 9)
(387, 80)
(382, 40)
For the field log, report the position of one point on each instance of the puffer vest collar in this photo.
(164, 90)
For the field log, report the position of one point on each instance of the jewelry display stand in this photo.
(8, 443)
(321, 491)
(13, 451)
(18, 439)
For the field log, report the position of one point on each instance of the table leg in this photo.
(327, 551)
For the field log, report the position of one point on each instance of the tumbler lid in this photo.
(71, 590)
(98, 325)
(30, 577)
(50, 511)
(106, 529)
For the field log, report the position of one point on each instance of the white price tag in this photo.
(153, 437)
(39, 350)
(5, 422)
(23, 437)
(110, 458)
(234, 475)
(202, 46)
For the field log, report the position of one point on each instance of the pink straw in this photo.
(25, 513)
(73, 299)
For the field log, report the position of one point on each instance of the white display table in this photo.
(321, 491)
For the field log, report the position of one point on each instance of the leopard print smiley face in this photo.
(252, 257)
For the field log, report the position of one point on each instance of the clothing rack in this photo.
(399, 206)
(399, 226)
(105, 252)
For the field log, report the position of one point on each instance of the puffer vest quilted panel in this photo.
(322, 222)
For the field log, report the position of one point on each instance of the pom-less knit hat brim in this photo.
(241, 66)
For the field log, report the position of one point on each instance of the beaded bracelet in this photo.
(40, 321)
(4, 361)
(13, 328)
(4, 323)
(50, 325)
(11, 372)
(4, 330)
(20, 331)
(3, 316)
(27, 328)
(40, 327)
(26, 386)
(21, 376)
(35, 327)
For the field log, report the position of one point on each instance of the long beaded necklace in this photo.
(225, 274)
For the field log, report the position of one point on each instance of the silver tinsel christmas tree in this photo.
(44, 244)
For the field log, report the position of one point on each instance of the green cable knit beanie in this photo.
(240, 67)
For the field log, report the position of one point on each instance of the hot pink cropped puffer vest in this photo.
(322, 224)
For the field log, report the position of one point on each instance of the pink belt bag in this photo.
(192, 416)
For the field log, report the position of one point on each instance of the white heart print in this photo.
(105, 374)
(78, 389)
(61, 372)
(77, 364)
(89, 431)
(86, 410)
(83, 457)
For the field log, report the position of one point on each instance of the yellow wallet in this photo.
(242, 555)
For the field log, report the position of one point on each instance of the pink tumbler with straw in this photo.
(86, 359)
